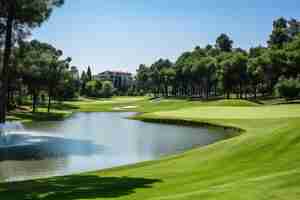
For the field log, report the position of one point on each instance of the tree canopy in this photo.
(220, 69)
(17, 18)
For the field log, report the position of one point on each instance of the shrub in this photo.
(99, 89)
(107, 89)
(93, 88)
(288, 88)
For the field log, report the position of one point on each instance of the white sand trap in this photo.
(124, 108)
(129, 107)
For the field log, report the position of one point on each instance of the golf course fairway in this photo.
(262, 162)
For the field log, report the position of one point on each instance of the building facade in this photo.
(120, 80)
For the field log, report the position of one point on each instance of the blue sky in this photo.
(121, 34)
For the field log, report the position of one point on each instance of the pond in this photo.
(93, 141)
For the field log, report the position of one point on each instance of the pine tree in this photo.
(23, 14)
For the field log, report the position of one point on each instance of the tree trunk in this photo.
(34, 101)
(6, 60)
(166, 90)
(8, 99)
(241, 90)
(10, 96)
(49, 102)
(207, 89)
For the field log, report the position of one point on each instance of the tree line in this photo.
(220, 69)
(41, 73)
(33, 70)
(17, 19)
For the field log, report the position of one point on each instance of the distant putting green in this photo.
(211, 112)
(90, 105)
(262, 163)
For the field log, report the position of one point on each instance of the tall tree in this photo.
(89, 74)
(168, 75)
(143, 78)
(224, 43)
(19, 13)
(83, 80)
(156, 75)
(44, 69)
(239, 64)
(34, 64)
(279, 35)
(56, 70)
(226, 71)
(255, 72)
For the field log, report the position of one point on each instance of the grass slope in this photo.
(262, 163)
(103, 105)
(60, 111)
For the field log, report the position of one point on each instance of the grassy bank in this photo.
(262, 163)
(63, 110)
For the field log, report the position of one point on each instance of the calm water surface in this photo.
(92, 141)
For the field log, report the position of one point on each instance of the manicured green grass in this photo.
(91, 105)
(171, 104)
(214, 112)
(60, 111)
(143, 104)
(262, 163)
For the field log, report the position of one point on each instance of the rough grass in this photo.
(262, 163)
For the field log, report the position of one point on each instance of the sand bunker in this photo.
(124, 108)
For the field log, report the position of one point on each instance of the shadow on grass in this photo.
(74, 187)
